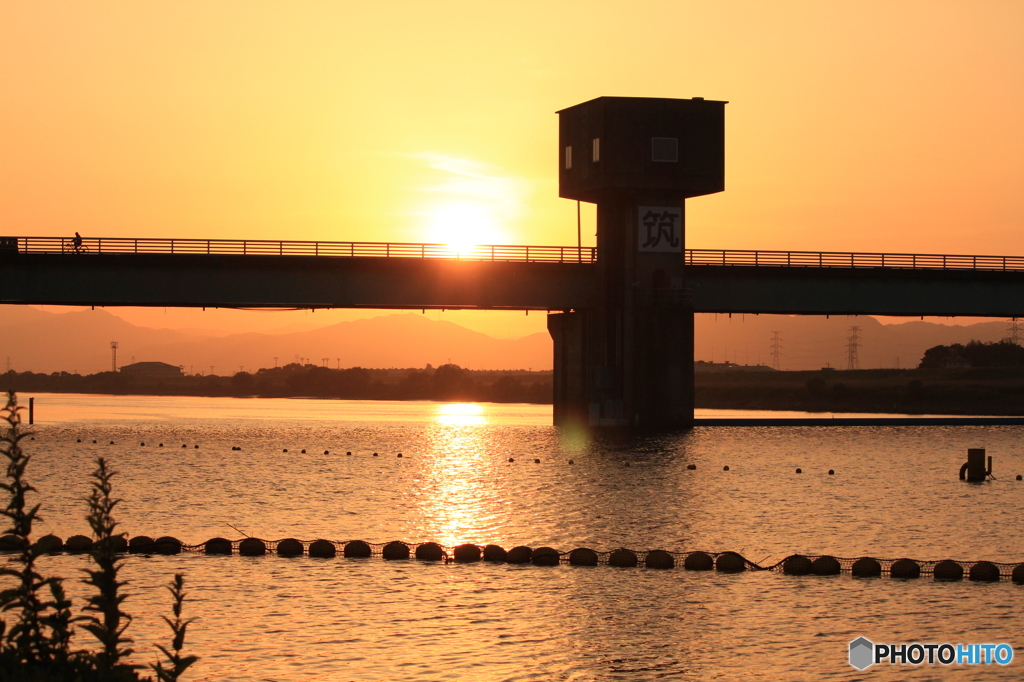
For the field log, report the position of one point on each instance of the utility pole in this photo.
(113, 356)
(852, 344)
(1015, 331)
(275, 362)
(776, 350)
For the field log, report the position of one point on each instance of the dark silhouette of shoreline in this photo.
(955, 391)
(447, 383)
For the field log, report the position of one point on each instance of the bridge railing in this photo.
(837, 259)
(258, 247)
(496, 252)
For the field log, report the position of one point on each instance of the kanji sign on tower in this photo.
(660, 229)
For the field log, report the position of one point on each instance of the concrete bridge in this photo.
(302, 274)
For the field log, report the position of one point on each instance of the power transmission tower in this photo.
(1015, 331)
(776, 349)
(852, 344)
(113, 356)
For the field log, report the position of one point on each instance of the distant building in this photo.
(152, 370)
(704, 366)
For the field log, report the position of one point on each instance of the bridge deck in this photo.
(308, 274)
(499, 252)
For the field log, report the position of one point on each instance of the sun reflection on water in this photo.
(460, 414)
(459, 482)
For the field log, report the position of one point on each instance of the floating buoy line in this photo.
(947, 570)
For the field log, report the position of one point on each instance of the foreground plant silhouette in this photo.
(37, 647)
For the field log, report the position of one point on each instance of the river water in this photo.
(895, 493)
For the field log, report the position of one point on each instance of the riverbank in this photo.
(949, 391)
(954, 391)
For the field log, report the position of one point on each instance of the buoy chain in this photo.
(729, 562)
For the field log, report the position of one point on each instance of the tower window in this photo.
(568, 157)
(596, 150)
(665, 149)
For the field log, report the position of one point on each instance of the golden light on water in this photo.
(460, 414)
(455, 511)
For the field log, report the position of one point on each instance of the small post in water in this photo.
(976, 470)
(31, 411)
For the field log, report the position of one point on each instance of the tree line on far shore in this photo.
(447, 382)
(1003, 353)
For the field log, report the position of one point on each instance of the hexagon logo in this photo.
(862, 653)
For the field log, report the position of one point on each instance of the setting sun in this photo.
(463, 225)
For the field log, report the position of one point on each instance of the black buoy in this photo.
(182, 445)
(536, 461)
(395, 550)
(1020, 478)
(252, 547)
(691, 467)
(303, 452)
(197, 447)
(348, 453)
(799, 470)
(698, 561)
(623, 558)
(375, 454)
(826, 565)
(797, 564)
(94, 442)
(571, 462)
(79, 440)
(905, 568)
(866, 567)
(289, 547)
(143, 443)
(160, 446)
(984, 571)
(511, 459)
(725, 468)
(111, 442)
(327, 452)
(284, 450)
(831, 472)
(399, 454)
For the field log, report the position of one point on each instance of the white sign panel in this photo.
(660, 229)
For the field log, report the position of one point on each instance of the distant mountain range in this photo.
(79, 341)
(806, 342)
(43, 341)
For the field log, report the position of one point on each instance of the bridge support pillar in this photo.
(650, 387)
(629, 362)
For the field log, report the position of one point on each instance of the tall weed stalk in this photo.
(37, 647)
(109, 622)
(25, 643)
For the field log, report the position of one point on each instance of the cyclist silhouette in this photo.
(77, 243)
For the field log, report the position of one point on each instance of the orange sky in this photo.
(865, 125)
